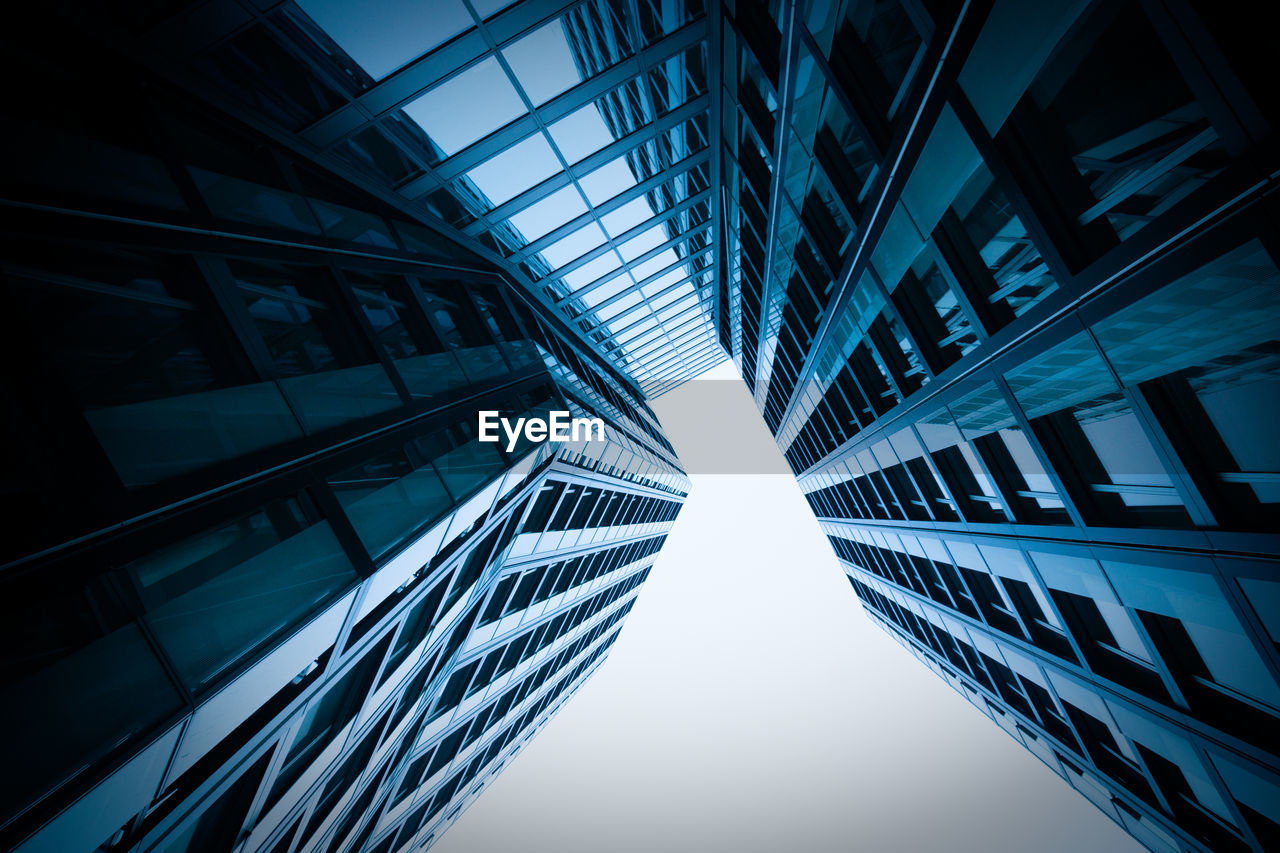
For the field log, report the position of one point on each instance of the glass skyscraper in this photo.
(263, 586)
(1001, 277)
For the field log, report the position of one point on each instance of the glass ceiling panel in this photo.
(532, 62)
(543, 217)
(654, 287)
(467, 107)
(608, 181)
(683, 294)
(581, 134)
(626, 217)
(387, 34)
(612, 288)
(626, 303)
(620, 324)
(593, 269)
(537, 67)
(543, 63)
(575, 245)
(637, 246)
(488, 8)
(653, 265)
(523, 165)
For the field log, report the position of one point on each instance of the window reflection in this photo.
(1095, 438)
(1203, 352)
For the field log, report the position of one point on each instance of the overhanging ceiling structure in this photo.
(572, 141)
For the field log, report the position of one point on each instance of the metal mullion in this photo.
(675, 242)
(598, 211)
(694, 371)
(653, 221)
(678, 336)
(418, 295)
(461, 53)
(352, 305)
(650, 279)
(515, 82)
(891, 308)
(927, 460)
(696, 357)
(836, 88)
(1081, 670)
(296, 147)
(612, 243)
(674, 375)
(226, 296)
(706, 295)
(398, 88)
(715, 127)
(804, 234)
(781, 141)
(625, 269)
(431, 69)
(689, 279)
(497, 142)
(633, 289)
(1149, 262)
(1188, 491)
(639, 63)
(664, 338)
(1003, 176)
(610, 152)
(634, 324)
(698, 360)
(581, 95)
(1041, 456)
(639, 341)
(650, 109)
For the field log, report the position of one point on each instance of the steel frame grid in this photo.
(195, 31)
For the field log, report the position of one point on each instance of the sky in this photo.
(750, 705)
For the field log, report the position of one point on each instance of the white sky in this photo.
(750, 705)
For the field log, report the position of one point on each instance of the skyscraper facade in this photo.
(1002, 278)
(264, 587)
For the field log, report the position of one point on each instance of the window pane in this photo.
(214, 598)
(387, 499)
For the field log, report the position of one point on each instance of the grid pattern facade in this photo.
(568, 142)
(1002, 278)
(263, 587)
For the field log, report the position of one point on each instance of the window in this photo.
(1113, 98)
(325, 364)
(1096, 441)
(67, 644)
(140, 353)
(387, 497)
(215, 597)
(218, 826)
(326, 716)
(1201, 351)
(874, 48)
(416, 626)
